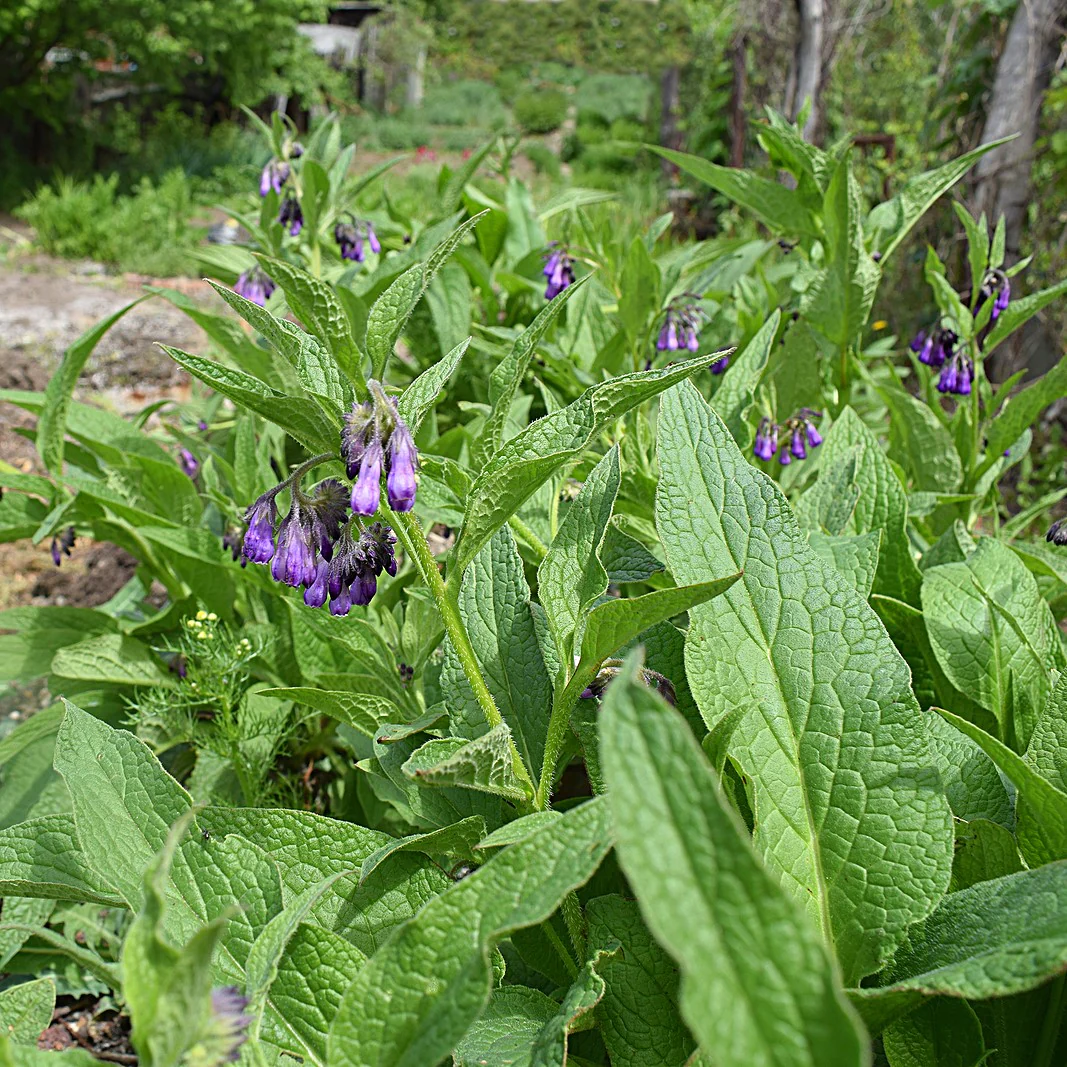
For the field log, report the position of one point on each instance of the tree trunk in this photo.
(670, 83)
(1023, 73)
(737, 102)
(805, 75)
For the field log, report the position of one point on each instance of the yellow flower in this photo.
(203, 636)
(202, 615)
(212, 617)
(881, 324)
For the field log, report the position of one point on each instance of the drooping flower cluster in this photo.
(680, 328)
(189, 464)
(227, 1028)
(275, 175)
(374, 435)
(558, 271)
(255, 285)
(351, 237)
(997, 287)
(1057, 532)
(290, 215)
(62, 544)
(800, 430)
(937, 349)
(318, 547)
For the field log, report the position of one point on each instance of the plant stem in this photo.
(409, 532)
(558, 721)
(534, 542)
(572, 916)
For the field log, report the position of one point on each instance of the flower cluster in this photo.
(290, 215)
(62, 545)
(558, 271)
(374, 436)
(800, 430)
(997, 287)
(189, 464)
(1057, 532)
(275, 175)
(680, 328)
(351, 237)
(610, 669)
(225, 1031)
(937, 349)
(255, 285)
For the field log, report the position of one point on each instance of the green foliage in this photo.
(463, 820)
(540, 110)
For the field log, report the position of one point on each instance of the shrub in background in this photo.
(540, 110)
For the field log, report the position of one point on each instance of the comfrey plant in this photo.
(558, 271)
(646, 754)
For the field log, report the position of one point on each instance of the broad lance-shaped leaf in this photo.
(494, 603)
(513, 475)
(1022, 410)
(855, 556)
(737, 937)
(507, 375)
(881, 503)
(26, 1009)
(734, 396)
(942, 1033)
(921, 443)
(315, 303)
(416, 997)
(994, 635)
(419, 398)
(991, 940)
(1047, 751)
(52, 426)
(1041, 807)
(484, 764)
(391, 311)
(459, 839)
(850, 811)
(571, 577)
(638, 1017)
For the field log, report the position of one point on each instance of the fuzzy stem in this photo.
(558, 722)
(540, 549)
(409, 532)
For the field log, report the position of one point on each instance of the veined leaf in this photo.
(942, 1033)
(921, 443)
(484, 764)
(416, 997)
(26, 1009)
(1021, 410)
(826, 698)
(733, 398)
(737, 937)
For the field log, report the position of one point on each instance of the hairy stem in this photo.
(558, 722)
(409, 532)
(528, 536)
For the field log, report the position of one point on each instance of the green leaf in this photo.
(1047, 750)
(921, 443)
(639, 290)
(40, 632)
(984, 850)
(821, 687)
(459, 839)
(390, 312)
(42, 858)
(52, 425)
(942, 1033)
(30, 785)
(1018, 313)
(26, 1009)
(313, 973)
(314, 302)
(737, 937)
(780, 208)
(856, 556)
(638, 1016)
(1021, 410)
(362, 711)
(625, 558)
(507, 375)
(507, 1029)
(993, 635)
(890, 222)
(1042, 808)
(514, 473)
(417, 996)
(840, 297)
(298, 415)
(571, 577)
(484, 764)
(880, 505)
(419, 398)
(991, 940)
(111, 658)
(733, 399)
(28, 913)
(972, 783)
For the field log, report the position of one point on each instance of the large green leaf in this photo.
(26, 1009)
(416, 997)
(824, 698)
(921, 442)
(994, 635)
(484, 764)
(737, 937)
(942, 1033)
(733, 399)
(1022, 410)
(881, 503)
(419, 397)
(1047, 751)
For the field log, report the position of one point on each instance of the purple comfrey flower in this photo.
(918, 341)
(681, 328)
(1002, 299)
(347, 235)
(294, 558)
(358, 427)
(229, 1023)
(938, 347)
(785, 458)
(403, 458)
(327, 508)
(559, 272)
(291, 215)
(189, 464)
(367, 490)
(796, 445)
(62, 544)
(805, 417)
(255, 285)
(352, 576)
(275, 175)
(259, 537)
(766, 443)
(372, 238)
(956, 376)
(315, 594)
(720, 365)
(201, 426)
(1057, 532)
(668, 335)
